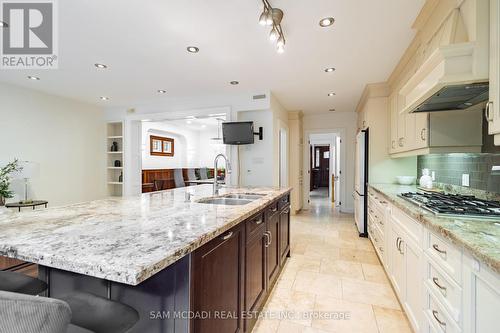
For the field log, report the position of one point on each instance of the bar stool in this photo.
(99, 314)
(20, 283)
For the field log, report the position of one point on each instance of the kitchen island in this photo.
(159, 253)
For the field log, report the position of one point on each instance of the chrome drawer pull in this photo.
(436, 247)
(435, 314)
(229, 234)
(381, 249)
(259, 221)
(436, 282)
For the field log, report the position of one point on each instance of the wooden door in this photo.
(273, 253)
(217, 283)
(322, 166)
(255, 268)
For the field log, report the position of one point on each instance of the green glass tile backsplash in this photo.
(450, 167)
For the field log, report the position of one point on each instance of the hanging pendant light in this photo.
(218, 138)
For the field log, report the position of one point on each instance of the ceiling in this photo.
(196, 124)
(144, 44)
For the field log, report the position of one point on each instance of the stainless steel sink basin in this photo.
(225, 201)
(248, 196)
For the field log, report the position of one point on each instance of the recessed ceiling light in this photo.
(161, 91)
(203, 126)
(331, 94)
(101, 66)
(3, 24)
(329, 69)
(34, 78)
(326, 22)
(104, 98)
(331, 110)
(193, 49)
(234, 83)
(189, 122)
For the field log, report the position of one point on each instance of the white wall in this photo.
(192, 148)
(280, 122)
(346, 121)
(64, 137)
(257, 160)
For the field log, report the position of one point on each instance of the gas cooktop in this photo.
(454, 204)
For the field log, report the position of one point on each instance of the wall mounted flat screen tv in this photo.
(238, 133)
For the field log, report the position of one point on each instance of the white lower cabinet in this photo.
(406, 272)
(441, 288)
(481, 298)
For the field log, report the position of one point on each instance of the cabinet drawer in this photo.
(447, 256)
(438, 318)
(413, 228)
(255, 225)
(376, 237)
(445, 290)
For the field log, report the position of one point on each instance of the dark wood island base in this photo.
(219, 288)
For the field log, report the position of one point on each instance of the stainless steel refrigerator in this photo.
(360, 182)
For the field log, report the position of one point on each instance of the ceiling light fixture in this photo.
(272, 17)
(331, 94)
(104, 98)
(331, 110)
(329, 70)
(234, 83)
(34, 78)
(101, 66)
(4, 24)
(161, 91)
(326, 22)
(193, 49)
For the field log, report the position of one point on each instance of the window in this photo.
(160, 146)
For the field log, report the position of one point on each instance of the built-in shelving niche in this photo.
(114, 134)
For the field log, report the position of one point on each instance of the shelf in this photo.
(115, 183)
(115, 152)
(115, 137)
(115, 168)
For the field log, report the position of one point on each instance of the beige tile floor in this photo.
(331, 271)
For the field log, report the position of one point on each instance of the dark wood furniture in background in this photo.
(164, 143)
(19, 266)
(32, 204)
(162, 179)
(238, 270)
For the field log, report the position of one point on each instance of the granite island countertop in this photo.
(480, 237)
(124, 239)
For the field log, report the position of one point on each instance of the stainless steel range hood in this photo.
(455, 97)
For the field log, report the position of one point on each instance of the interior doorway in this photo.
(324, 156)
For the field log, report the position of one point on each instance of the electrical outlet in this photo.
(433, 175)
(465, 179)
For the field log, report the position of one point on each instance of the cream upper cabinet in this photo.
(394, 123)
(421, 138)
(493, 107)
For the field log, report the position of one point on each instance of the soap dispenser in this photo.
(426, 179)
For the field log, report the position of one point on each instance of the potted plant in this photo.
(5, 173)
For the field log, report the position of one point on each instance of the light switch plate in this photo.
(465, 179)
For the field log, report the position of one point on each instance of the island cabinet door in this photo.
(217, 284)
(273, 248)
(284, 233)
(255, 269)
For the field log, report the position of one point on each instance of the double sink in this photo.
(235, 199)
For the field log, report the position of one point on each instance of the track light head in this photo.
(274, 34)
(281, 41)
(263, 17)
(277, 15)
(280, 48)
